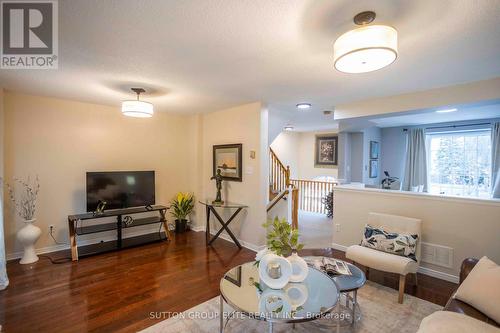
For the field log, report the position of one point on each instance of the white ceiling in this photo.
(198, 56)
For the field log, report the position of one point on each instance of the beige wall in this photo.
(286, 147)
(471, 227)
(243, 124)
(297, 150)
(59, 140)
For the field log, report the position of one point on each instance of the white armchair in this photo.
(388, 262)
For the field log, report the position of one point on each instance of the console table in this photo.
(210, 207)
(78, 225)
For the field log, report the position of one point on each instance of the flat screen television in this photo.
(120, 189)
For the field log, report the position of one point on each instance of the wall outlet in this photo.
(337, 227)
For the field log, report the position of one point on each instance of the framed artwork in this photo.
(234, 276)
(228, 158)
(326, 150)
(373, 168)
(374, 149)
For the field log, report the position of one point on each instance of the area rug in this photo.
(379, 308)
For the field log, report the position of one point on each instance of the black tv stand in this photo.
(124, 219)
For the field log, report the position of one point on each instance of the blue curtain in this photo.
(415, 176)
(495, 160)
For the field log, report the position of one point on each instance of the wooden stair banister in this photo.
(295, 205)
(295, 208)
(276, 200)
(279, 184)
(311, 194)
(279, 175)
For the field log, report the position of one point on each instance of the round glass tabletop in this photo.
(316, 296)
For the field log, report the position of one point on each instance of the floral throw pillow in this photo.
(390, 242)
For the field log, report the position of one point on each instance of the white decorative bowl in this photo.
(285, 267)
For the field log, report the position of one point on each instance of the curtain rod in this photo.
(452, 126)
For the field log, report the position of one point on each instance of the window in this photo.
(460, 163)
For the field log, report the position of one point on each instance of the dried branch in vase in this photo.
(25, 203)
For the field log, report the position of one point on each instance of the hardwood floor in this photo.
(117, 291)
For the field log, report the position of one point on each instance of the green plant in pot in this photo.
(181, 206)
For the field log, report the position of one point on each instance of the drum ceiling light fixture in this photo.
(137, 108)
(367, 48)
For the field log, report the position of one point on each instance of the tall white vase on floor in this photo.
(28, 236)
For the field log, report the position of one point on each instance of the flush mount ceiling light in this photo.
(303, 106)
(137, 108)
(288, 128)
(367, 48)
(447, 110)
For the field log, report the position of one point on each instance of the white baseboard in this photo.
(81, 242)
(245, 244)
(197, 228)
(41, 250)
(339, 247)
(422, 270)
(438, 274)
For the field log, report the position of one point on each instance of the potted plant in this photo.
(181, 206)
(24, 205)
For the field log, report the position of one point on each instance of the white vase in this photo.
(297, 294)
(28, 235)
(300, 270)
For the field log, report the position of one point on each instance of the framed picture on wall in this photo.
(326, 150)
(374, 149)
(228, 158)
(373, 168)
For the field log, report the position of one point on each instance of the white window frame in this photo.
(451, 131)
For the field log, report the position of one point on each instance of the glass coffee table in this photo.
(314, 298)
(349, 312)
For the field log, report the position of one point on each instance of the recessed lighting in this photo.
(303, 106)
(446, 110)
(288, 128)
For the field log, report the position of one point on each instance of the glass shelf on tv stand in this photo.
(84, 224)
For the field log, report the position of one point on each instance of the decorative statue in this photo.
(218, 184)
(387, 182)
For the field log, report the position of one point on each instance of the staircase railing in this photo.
(276, 199)
(279, 175)
(294, 204)
(311, 193)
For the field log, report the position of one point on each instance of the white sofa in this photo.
(387, 262)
